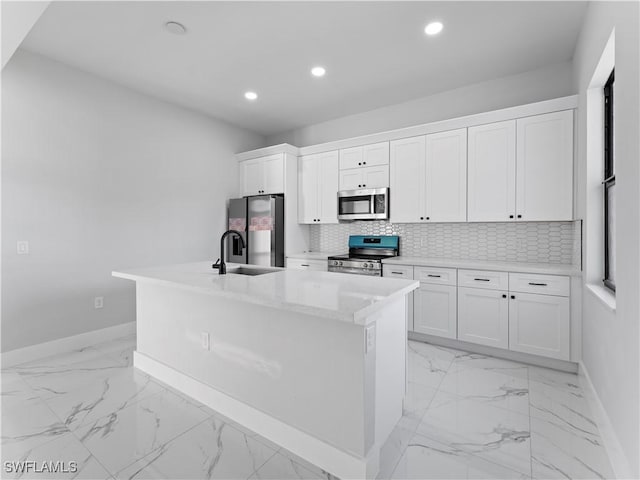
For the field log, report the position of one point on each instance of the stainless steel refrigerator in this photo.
(261, 221)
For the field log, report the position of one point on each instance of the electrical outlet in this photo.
(23, 247)
(204, 336)
(370, 338)
(98, 302)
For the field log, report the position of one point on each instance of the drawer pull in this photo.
(398, 273)
(482, 279)
(434, 276)
(538, 284)
(304, 264)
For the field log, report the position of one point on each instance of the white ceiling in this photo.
(375, 53)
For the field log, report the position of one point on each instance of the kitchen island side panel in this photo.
(306, 371)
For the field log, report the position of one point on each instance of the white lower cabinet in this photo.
(483, 316)
(539, 324)
(303, 264)
(435, 310)
(405, 272)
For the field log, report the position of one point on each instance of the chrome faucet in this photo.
(220, 265)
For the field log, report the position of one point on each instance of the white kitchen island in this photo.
(313, 361)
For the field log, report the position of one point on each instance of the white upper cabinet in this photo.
(365, 156)
(367, 177)
(544, 170)
(318, 188)
(522, 170)
(428, 178)
(446, 176)
(263, 175)
(492, 172)
(406, 180)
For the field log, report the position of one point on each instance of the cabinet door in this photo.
(446, 175)
(273, 174)
(544, 186)
(539, 324)
(307, 189)
(350, 179)
(351, 157)
(483, 317)
(435, 311)
(327, 187)
(251, 175)
(407, 180)
(375, 154)
(375, 177)
(492, 172)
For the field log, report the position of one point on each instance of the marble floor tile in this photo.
(61, 359)
(26, 420)
(488, 386)
(127, 435)
(75, 461)
(497, 365)
(494, 434)
(425, 458)
(567, 447)
(213, 449)
(281, 467)
(557, 393)
(51, 380)
(111, 395)
(392, 451)
(120, 349)
(427, 366)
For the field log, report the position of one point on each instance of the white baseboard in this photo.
(308, 447)
(75, 342)
(619, 462)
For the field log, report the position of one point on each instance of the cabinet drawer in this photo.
(397, 271)
(434, 275)
(303, 264)
(544, 284)
(483, 279)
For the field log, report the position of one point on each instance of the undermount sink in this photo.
(250, 271)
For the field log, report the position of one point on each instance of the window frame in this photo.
(609, 170)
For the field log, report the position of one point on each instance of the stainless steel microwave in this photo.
(364, 204)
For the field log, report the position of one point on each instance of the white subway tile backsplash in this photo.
(539, 242)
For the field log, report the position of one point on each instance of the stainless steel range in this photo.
(365, 254)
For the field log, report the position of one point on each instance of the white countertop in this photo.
(523, 267)
(315, 255)
(348, 298)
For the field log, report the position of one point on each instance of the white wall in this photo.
(18, 17)
(611, 338)
(99, 178)
(537, 85)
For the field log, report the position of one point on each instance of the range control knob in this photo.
(340, 263)
(335, 262)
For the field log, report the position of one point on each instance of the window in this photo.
(609, 188)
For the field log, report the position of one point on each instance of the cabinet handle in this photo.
(398, 273)
(513, 297)
(538, 284)
(482, 279)
(427, 218)
(510, 216)
(519, 216)
(359, 163)
(433, 276)
(364, 163)
(504, 295)
(363, 185)
(359, 185)
(421, 218)
(304, 265)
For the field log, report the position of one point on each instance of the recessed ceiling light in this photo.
(175, 28)
(318, 71)
(433, 28)
(250, 95)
